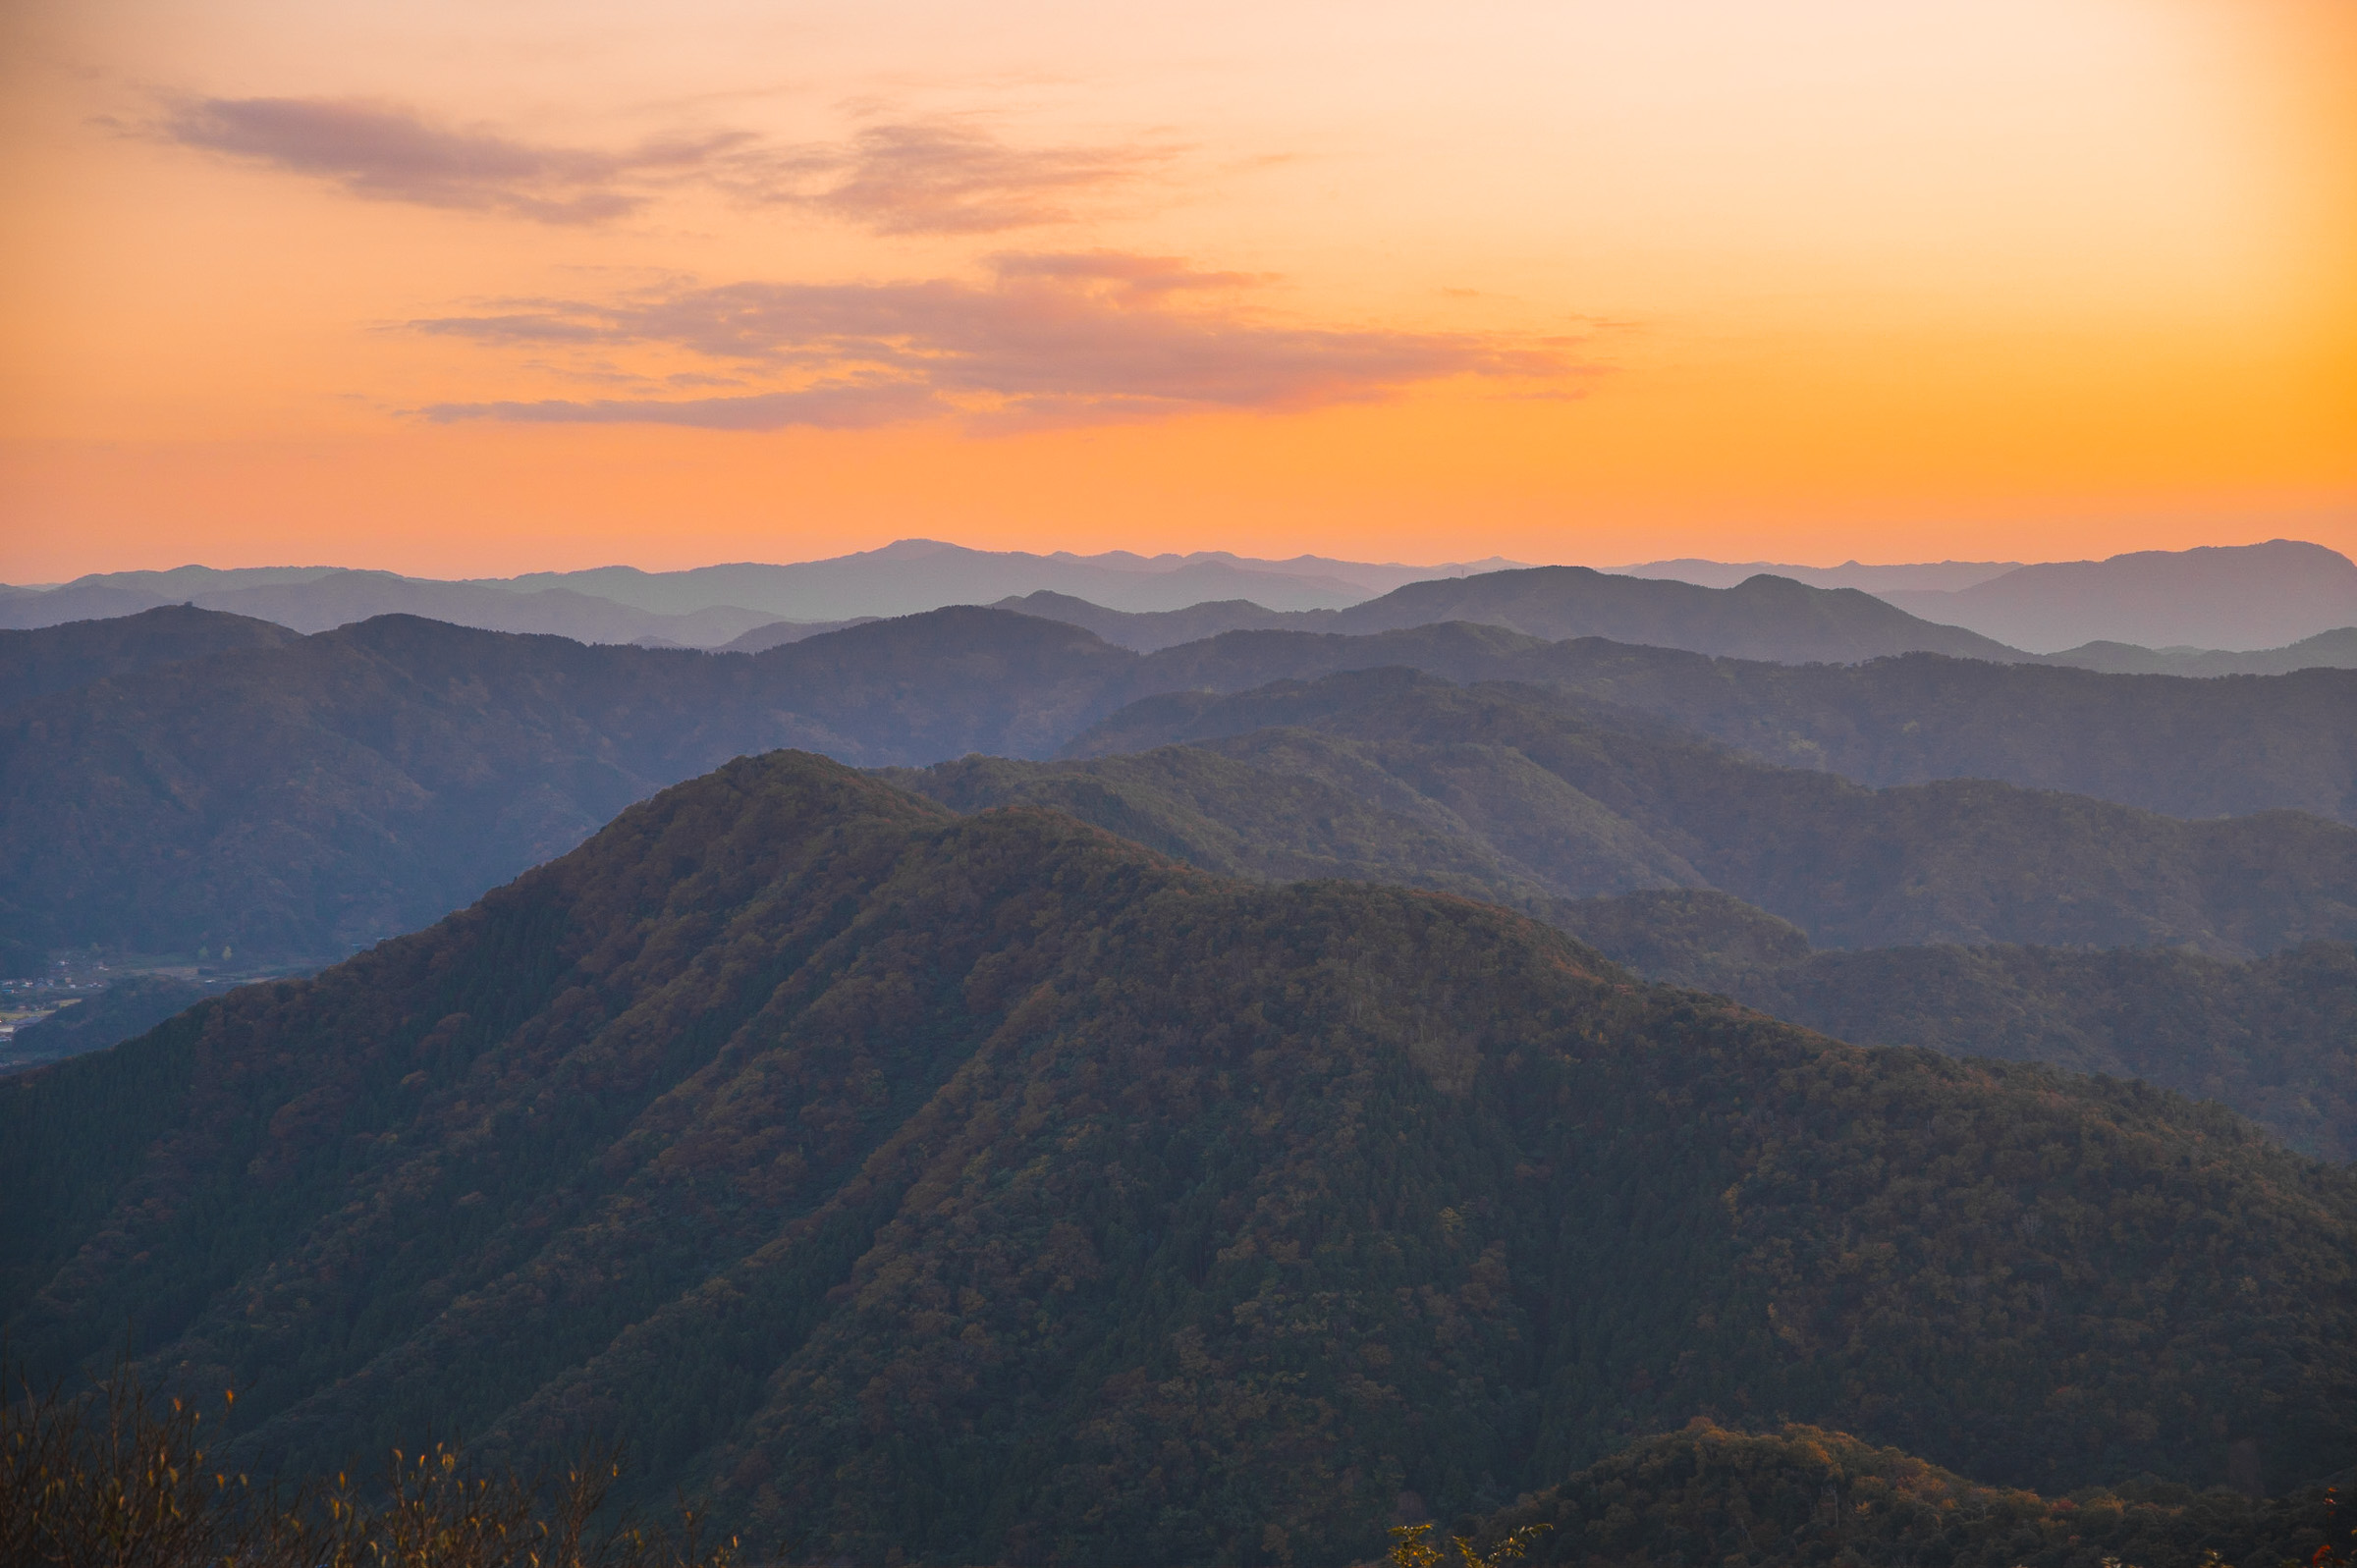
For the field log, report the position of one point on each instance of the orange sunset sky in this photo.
(485, 288)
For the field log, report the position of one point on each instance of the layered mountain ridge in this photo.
(310, 793)
(987, 1188)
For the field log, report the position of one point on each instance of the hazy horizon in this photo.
(1144, 560)
(468, 292)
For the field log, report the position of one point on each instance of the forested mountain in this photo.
(130, 1006)
(986, 1189)
(1590, 804)
(337, 789)
(35, 664)
(1804, 1497)
(2192, 748)
(2275, 1039)
(292, 797)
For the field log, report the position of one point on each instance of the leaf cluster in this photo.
(119, 1477)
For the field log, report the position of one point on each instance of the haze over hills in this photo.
(457, 732)
(2269, 596)
(1908, 719)
(1762, 618)
(2273, 1038)
(2233, 598)
(323, 599)
(707, 606)
(36, 662)
(976, 1187)
(910, 575)
(2327, 650)
(315, 793)
(973, 1186)
(1933, 574)
(1579, 804)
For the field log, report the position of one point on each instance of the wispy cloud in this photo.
(919, 177)
(1052, 338)
(945, 177)
(389, 153)
(847, 406)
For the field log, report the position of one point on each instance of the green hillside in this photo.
(987, 1189)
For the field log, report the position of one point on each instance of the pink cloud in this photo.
(1045, 339)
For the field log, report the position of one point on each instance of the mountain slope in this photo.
(292, 797)
(2327, 650)
(298, 798)
(1150, 630)
(1804, 1495)
(1762, 618)
(2273, 1038)
(2150, 741)
(983, 1189)
(36, 662)
(1959, 860)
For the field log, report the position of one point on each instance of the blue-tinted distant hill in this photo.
(300, 797)
(320, 599)
(1764, 617)
(2327, 650)
(2234, 598)
(36, 662)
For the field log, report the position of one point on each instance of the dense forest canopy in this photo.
(2275, 1038)
(987, 1188)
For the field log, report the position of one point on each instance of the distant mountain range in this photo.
(917, 575)
(312, 793)
(915, 1187)
(713, 605)
(321, 600)
(1934, 575)
(2155, 611)
(1535, 794)
(1202, 1082)
(1762, 618)
(2231, 598)
(2327, 650)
